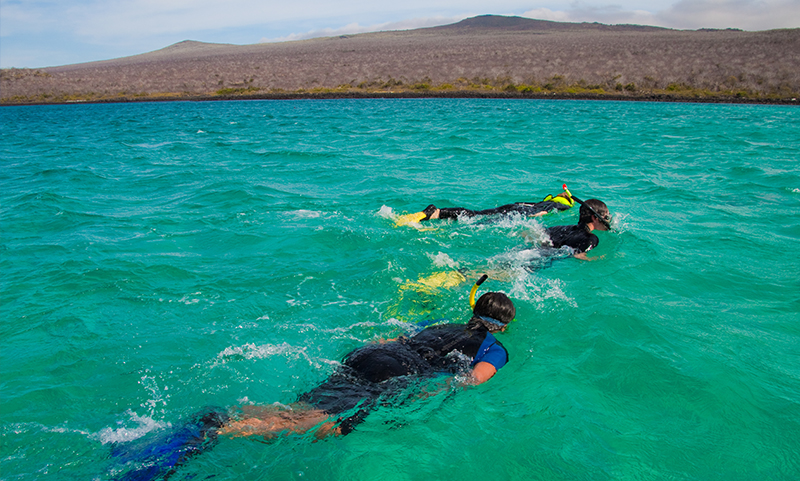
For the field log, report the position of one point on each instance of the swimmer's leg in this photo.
(270, 422)
(454, 213)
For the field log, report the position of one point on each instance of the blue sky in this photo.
(44, 33)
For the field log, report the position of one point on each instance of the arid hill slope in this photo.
(487, 52)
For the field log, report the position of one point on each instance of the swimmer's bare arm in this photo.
(482, 372)
(582, 256)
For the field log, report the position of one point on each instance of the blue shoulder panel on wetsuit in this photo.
(491, 351)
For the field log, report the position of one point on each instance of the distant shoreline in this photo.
(425, 95)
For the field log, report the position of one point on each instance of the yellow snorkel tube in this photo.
(567, 191)
(475, 289)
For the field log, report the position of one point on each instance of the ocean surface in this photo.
(158, 258)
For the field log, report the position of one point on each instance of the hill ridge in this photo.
(479, 56)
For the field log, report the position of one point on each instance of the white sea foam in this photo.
(397, 322)
(441, 259)
(529, 287)
(124, 433)
(157, 394)
(619, 221)
(386, 212)
(188, 301)
(307, 214)
(253, 351)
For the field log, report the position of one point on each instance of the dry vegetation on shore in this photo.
(482, 56)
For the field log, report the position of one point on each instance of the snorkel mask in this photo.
(602, 219)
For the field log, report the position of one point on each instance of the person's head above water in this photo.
(494, 310)
(596, 212)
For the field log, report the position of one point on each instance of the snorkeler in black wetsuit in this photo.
(550, 203)
(367, 374)
(593, 215)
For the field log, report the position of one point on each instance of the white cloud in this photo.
(355, 28)
(579, 12)
(547, 14)
(16, 19)
(684, 14)
(109, 19)
(84, 30)
(114, 18)
(744, 14)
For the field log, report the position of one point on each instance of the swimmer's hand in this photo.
(582, 256)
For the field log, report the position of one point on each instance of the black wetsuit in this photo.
(378, 370)
(578, 237)
(367, 374)
(522, 208)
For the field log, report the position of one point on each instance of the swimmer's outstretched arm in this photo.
(582, 256)
(482, 372)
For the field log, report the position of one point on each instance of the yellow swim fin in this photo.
(409, 218)
(444, 280)
(439, 280)
(420, 299)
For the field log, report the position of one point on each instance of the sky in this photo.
(47, 33)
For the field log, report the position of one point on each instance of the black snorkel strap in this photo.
(594, 212)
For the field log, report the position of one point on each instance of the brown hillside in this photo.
(508, 55)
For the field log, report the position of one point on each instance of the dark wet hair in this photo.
(598, 206)
(493, 311)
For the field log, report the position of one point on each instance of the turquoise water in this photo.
(158, 258)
